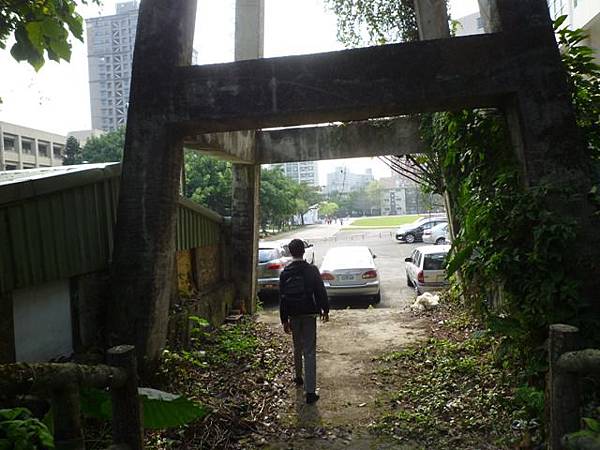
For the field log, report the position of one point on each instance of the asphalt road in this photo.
(390, 254)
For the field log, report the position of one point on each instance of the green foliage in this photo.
(374, 22)
(160, 409)
(208, 182)
(73, 152)
(277, 197)
(20, 431)
(446, 389)
(328, 209)
(530, 400)
(41, 29)
(584, 80)
(107, 147)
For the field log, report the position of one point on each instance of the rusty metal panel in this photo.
(195, 228)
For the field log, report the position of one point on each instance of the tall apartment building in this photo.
(110, 41)
(301, 172)
(26, 148)
(343, 181)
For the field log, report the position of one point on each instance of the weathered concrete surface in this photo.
(545, 135)
(234, 146)
(390, 80)
(432, 19)
(143, 261)
(249, 43)
(352, 140)
(244, 236)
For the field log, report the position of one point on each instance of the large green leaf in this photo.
(161, 409)
(164, 410)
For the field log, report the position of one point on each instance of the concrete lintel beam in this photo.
(390, 80)
(352, 140)
(235, 146)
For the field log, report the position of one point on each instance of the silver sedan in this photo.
(351, 271)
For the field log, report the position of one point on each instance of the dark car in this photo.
(413, 232)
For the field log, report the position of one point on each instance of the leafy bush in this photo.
(20, 431)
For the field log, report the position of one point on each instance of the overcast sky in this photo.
(56, 99)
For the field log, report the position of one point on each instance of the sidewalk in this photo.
(308, 232)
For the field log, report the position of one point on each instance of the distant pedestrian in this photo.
(302, 298)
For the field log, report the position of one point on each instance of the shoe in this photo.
(311, 398)
(298, 381)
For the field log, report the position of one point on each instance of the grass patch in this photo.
(385, 221)
(452, 392)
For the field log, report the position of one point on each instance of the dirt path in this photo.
(346, 347)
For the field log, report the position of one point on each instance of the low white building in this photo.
(26, 148)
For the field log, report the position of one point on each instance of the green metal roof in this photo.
(58, 222)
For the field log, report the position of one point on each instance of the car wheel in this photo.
(377, 298)
(417, 292)
(409, 238)
(408, 282)
(440, 241)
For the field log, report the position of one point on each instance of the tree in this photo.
(208, 182)
(374, 22)
(277, 197)
(328, 209)
(306, 196)
(72, 152)
(107, 147)
(41, 29)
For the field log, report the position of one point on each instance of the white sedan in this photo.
(350, 271)
(426, 268)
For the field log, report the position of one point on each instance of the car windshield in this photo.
(435, 261)
(266, 254)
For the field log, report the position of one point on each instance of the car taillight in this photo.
(369, 274)
(327, 276)
(421, 277)
(275, 266)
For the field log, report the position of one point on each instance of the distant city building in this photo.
(471, 24)
(400, 195)
(342, 180)
(26, 148)
(110, 41)
(83, 135)
(301, 172)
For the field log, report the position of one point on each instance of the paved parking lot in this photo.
(390, 261)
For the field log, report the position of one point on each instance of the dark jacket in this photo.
(313, 286)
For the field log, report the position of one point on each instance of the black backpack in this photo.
(293, 293)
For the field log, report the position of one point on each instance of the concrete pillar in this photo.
(544, 131)
(36, 152)
(20, 152)
(144, 253)
(432, 19)
(51, 153)
(244, 236)
(249, 29)
(249, 44)
(2, 158)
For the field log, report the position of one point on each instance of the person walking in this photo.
(302, 297)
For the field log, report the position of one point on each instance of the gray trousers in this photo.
(304, 335)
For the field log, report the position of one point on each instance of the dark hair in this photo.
(296, 247)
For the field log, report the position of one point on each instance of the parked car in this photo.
(438, 235)
(413, 232)
(426, 268)
(351, 271)
(272, 259)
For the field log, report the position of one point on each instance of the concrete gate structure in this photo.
(516, 67)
